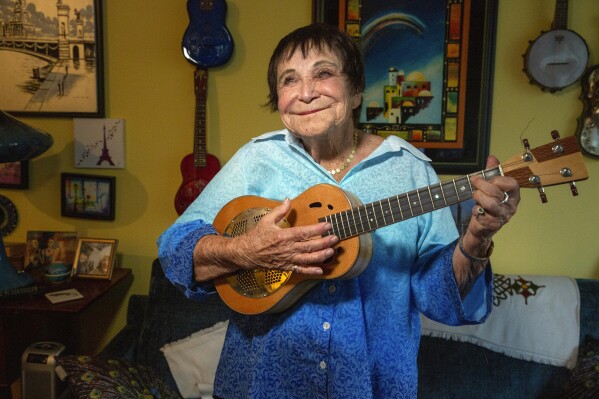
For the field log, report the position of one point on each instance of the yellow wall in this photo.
(150, 85)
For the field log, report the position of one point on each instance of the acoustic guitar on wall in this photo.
(199, 167)
(206, 43)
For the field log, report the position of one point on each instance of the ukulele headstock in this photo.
(558, 162)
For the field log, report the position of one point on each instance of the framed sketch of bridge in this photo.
(52, 58)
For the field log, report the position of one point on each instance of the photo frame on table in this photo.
(429, 73)
(14, 175)
(95, 258)
(43, 248)
(88, 196)
(52, 58)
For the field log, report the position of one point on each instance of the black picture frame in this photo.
(14, 175)
(55, 49)
(475, 105)
(88, 196)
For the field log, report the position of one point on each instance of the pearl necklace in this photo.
(349, 158)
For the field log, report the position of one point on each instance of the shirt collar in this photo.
(391, 143)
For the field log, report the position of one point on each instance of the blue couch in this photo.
(448, 369)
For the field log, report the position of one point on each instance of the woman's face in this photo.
(315, 98)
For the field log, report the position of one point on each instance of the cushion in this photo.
(584, 382)
(193, 360)
(525, 306)
(170, 316)
(98, 377)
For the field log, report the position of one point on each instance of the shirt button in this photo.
(326, 326)
(332, 289)
(323, 365)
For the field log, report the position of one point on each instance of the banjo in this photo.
(557, 58)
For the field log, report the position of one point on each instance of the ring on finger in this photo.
(480, 211)
(294, 268)
(506, 197)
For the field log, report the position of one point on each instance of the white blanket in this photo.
(534, 318)
(193, 360)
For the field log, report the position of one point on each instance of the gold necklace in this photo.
(349, 158)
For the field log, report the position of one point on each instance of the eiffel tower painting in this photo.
(105, 155)
(99, 143)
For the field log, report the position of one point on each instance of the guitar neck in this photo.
(560, 19)
(199, 134)
(369, 217)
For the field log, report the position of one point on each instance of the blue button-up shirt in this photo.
(353, 338)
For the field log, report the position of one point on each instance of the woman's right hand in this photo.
(267, 246)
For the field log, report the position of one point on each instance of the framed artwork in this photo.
(428, 71)
(99, 143)
(14, 175)
(46, 247)
(88, 196)
(52, 58)
(95, 258)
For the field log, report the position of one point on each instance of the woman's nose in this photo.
(308, 90)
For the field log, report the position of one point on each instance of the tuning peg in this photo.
(542, 194)
(555, 135)
(573, 189)
(527, 156)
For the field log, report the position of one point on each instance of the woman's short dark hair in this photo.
(322, 37)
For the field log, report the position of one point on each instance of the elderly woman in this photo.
(344, 338)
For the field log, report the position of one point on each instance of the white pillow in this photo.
(193, 360)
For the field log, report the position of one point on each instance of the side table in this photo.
(32, 318)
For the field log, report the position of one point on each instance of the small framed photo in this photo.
(46, 247)
(88, 196)
(14, 175)
(95, 258)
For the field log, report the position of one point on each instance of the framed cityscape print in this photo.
(428, 72)
(52, 57)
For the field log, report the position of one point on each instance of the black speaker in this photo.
(38, 379)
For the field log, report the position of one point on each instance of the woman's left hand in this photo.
(496, 202)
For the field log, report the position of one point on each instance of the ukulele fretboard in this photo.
(369, 217)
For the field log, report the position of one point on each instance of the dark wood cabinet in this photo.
(78, 324)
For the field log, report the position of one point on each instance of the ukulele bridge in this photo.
(256, 283)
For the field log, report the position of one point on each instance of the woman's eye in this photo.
(288, 80)
(323, 74)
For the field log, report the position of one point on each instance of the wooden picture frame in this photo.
(95, 258)
(88, 196)
(43, 248)
(52, 59)
(14, 175)
(429, 73)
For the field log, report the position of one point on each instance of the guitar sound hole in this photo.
(315, 205)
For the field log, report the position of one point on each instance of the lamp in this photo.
(18, 142)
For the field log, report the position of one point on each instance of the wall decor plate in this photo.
(8, 216)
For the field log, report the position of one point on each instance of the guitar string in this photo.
(400, 203)
(395, 211)
(397, 208)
